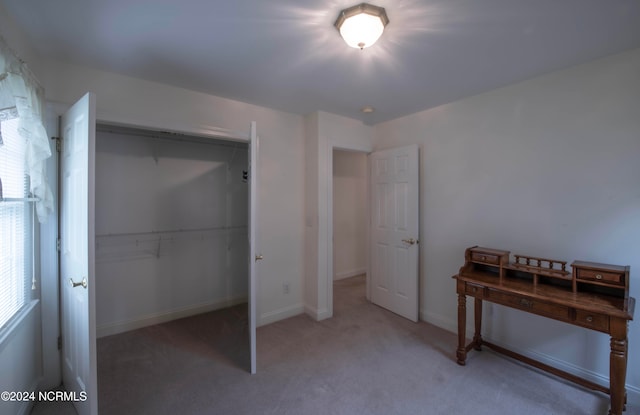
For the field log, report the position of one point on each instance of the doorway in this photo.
(350, 209)
(393, 230)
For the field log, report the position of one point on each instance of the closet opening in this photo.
(171, 223)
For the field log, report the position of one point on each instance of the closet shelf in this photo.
(171, 232)
(143, 245)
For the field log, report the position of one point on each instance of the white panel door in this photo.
(77, 253)
(394, 230)
(254, 256)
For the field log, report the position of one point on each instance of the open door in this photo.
(254, 256)
(77, 254)
(394, 230)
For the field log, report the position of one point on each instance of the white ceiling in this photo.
(286, 54)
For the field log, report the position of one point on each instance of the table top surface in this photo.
(594, 302)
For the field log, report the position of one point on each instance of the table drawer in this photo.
(592, 321)
(485, 258)
(556, 311)
(474, 290)
(600, 276)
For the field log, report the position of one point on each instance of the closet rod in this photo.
(214, 228)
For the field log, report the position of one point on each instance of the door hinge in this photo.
(58, 143)
(59, 342)
(58, 244)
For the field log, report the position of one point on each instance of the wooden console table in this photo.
(592, 295)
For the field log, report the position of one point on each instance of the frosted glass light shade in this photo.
(362, 25)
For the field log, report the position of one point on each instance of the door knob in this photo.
(410, 241)
(259, 257)
(82, 283)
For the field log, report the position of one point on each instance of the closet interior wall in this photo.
(171, 227)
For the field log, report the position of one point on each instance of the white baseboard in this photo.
(316, 314)
(27, 405)
(633, 392)
(311, 312)
(281, 314)
(162, 317)
(349, 274)
(439, 320)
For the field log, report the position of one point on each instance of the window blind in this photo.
(16, 225)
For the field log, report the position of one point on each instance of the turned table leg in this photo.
(461, 353)
(618, 366)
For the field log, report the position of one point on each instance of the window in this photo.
(16, 224)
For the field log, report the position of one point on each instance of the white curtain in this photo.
(21, 96)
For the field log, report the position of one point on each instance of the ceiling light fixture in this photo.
(361, 26)
(367, 109)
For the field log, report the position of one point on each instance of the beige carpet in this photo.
(365, 360)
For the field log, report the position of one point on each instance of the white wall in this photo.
(547, 167)
(350, 206)
(171, 229)
(136, 102)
